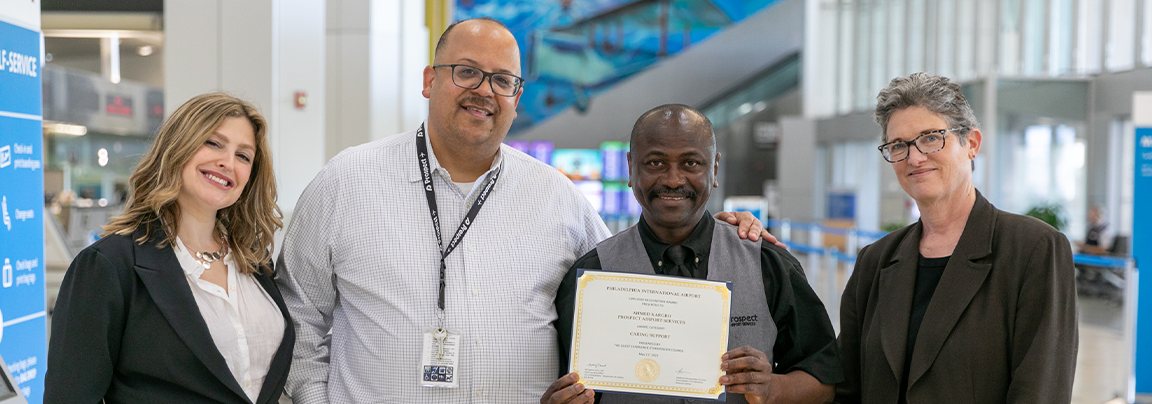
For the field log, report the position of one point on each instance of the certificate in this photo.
(649, 334)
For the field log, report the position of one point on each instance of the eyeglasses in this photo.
(502, 84)
(927, 143)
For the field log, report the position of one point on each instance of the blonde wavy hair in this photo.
(247, 226)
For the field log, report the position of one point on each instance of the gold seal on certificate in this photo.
(649, 334)
(647, 370)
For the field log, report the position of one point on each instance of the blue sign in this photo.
(841, 205)
(1142, 252)
(19, 70)
(23, 327)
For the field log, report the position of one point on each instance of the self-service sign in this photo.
(23, 327)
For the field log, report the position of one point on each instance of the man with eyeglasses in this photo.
(422, 268)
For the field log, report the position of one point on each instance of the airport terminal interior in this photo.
(789, 85)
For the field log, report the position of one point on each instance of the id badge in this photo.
(439, 359)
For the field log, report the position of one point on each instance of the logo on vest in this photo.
(743, 321)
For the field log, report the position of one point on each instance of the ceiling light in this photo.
(144, 50)
(61, 128)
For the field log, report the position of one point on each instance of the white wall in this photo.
(21, 13)
(398, 55)
(348, 104)
(262, 51)
(298, 143)
(377, 50)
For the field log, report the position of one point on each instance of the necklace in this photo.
(207, 258)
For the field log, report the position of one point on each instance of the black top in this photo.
(698, 243)
(127, 329)
(805, 339)
(928, 274)
(1095, 233)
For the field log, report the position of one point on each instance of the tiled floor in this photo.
(1103, 359)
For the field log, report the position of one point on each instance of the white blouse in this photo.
(244, 321)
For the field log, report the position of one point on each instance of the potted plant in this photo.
(1048, 212)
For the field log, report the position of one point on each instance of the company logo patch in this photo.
(744, 321)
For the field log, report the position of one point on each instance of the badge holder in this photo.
(440, 358)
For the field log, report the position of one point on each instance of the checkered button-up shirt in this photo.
(360, 258)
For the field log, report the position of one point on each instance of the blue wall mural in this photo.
(573, 49)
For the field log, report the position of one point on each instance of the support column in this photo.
(265, 52)
(796, 158)
(377, 51)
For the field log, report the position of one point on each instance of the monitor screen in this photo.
(578, 164)
(594, 191)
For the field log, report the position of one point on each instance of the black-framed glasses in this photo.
(927, 143)
(503, 84)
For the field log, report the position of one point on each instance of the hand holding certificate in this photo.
(646, 334)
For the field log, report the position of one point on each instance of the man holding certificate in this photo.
(683, 309)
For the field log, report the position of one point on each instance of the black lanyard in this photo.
(430, 193)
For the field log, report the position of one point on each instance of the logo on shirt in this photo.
(744, 321)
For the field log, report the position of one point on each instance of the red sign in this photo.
(116, 105)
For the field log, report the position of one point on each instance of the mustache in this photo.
(668, 191)
(479, 102)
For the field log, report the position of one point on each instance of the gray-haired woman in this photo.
(970, 304)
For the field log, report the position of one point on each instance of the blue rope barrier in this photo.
(806, 248)
(874, 235)
(1100, 261)
(1083, 259)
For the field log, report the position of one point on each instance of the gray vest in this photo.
(731, 259)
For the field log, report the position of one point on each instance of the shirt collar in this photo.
(434, 163)
(699, 241)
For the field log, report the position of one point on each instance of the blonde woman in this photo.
(176, 302)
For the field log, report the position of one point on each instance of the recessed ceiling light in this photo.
(144, 50)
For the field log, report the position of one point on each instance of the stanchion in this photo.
(1131, 283)
(832, 300)
(815, 240)
(785, 231)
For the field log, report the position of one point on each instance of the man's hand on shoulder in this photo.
(749, 227)
(565, 390)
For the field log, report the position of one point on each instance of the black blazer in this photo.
(126, 329)
(1000, 328)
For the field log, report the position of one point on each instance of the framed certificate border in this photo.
(724, 289)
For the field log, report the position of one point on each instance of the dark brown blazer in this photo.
(1000, 328)
(126, 329)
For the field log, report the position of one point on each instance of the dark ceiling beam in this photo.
(152, 6)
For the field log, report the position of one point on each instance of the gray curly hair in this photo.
(936, 93)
